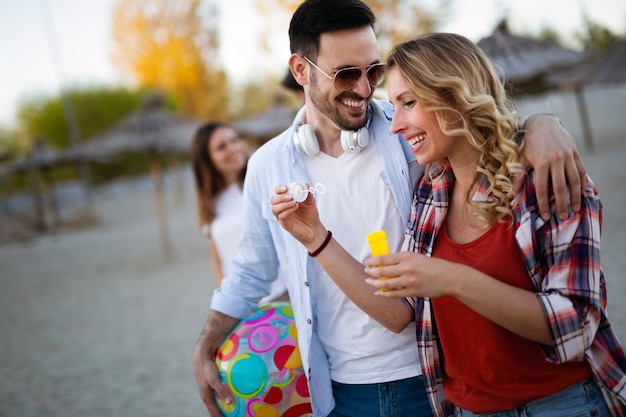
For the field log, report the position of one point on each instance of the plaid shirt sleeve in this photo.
(563, 260)
(428, 212)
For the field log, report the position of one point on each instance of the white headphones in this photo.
(352, 141)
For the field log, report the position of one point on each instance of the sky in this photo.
(46, 45)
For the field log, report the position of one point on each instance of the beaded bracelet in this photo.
(321, 248)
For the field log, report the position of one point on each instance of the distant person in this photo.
(519, 303)
(219, 159)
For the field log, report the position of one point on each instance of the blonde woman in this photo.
(510, 308)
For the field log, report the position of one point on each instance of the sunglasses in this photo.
(346, 78)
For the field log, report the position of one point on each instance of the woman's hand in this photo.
(415, 275)
(409, 274)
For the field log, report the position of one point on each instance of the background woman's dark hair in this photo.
(209, 181)
(314, 17)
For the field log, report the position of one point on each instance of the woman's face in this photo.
(419, 127)
(227, 151)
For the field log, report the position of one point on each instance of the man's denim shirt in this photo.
(265, 246)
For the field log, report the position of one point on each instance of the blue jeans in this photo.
(581, 400)
(403, 398)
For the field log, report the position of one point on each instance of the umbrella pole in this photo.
(39, 213)
(178, 179)
(584, 118)
(157, 179)
(54, 203)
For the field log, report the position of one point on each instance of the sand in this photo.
(95, 323)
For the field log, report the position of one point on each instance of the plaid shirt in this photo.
(563, 261)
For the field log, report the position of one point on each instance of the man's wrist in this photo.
(540, 114)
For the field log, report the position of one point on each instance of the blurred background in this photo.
(70, 70)
(105, 280)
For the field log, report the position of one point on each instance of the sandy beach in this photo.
(94, 322)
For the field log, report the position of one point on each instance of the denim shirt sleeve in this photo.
(256, 263)
(264, 248)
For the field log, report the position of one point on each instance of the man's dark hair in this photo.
(314, 17)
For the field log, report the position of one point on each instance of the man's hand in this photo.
(552, 152)
(203, 360)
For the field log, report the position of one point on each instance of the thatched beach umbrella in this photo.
(150, 128)
(268, 123)
(43, 159)
(153, 130)
(525, 62)
(603, 68)
(608, 68)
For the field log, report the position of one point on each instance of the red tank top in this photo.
(486, 367)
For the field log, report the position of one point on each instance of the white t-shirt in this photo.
(357, 202)
(226, 226)
(226, 229)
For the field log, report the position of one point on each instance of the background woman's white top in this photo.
(226, 229)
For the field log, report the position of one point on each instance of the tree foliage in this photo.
(597, 37)
(548, 34)
(400, 20)
(96, 108)
(172, 46)
(592, 37)
(9, 145)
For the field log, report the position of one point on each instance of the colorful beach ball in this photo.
(260, 362)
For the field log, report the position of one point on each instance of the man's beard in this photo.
(332, 109)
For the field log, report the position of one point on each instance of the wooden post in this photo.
(584, 118)
(159, 201)
(38, 206)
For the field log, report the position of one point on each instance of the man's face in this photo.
(343, 49)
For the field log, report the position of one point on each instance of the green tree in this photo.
(97, 108)
(400, 20)
(550, 35)
(10, 145)
(172, 46)
(257, 96)
(597, 37)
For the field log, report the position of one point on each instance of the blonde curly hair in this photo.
(450, 75)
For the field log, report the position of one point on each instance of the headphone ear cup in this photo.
(354, 141)
(305, 141)
(363, 138)
(348, 141)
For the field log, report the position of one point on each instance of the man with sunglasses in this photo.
(340, 138)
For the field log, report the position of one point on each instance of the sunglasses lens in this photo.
(346, 78)
(376, 74)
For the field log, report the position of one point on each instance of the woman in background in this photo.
(219, 160)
